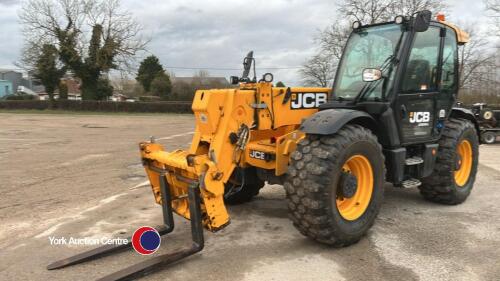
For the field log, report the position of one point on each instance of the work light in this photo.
(356, 25)
(268, 77)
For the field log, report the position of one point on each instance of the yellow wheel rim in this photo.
(353, 208)
(464, 152)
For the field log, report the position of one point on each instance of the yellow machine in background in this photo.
(252, 125)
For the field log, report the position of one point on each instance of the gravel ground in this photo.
(80, 176)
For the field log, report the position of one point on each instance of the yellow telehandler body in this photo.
(226, 137)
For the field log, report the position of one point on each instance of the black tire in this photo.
(488, 137)
(441, 186)
(312, 185)
(235, 194)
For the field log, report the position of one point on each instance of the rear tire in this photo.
(452, 179)
(487, 114)
(488, 137)
(313, 189)
(235, 194)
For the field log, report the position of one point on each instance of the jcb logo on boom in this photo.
(420, 117)
(307, 100)
(258, 154)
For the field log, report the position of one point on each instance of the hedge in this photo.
(100, 106)
(107, 106)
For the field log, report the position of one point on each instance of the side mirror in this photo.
(247, 64)
(371, 74)
(422, 21)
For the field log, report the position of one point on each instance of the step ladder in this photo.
(411, 183)
(415, 160)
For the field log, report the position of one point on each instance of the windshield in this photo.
(370, 47)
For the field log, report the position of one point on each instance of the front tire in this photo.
(455, 170)
(320, 203)
(243, 186)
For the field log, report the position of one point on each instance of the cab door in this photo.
(419, 87)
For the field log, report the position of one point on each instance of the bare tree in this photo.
(201, 74)
(373, 11)
(493, 6)
(476, 60)
(493, 11)
(331, 41)
(366, 11)
(410, 7)
(92, 36)
(318, 71)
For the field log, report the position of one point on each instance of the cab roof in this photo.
(462, 36)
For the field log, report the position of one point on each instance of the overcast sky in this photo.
(217, 34)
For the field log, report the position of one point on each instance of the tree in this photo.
(372, 11)
(47, 70)
(63, 90)
(280, 84)
(493, 11)
(161, 85)
(104, 89)
(91, 36)
(410, 7)
(494, 6)
(182, 91)
(320, 69)
(476, 60)
(202, 74)
(149, 69)
(126, 86)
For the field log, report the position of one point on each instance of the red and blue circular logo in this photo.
(146, 240)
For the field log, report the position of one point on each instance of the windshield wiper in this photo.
(390, 61)
(369, 86)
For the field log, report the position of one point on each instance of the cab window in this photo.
(450, 62)
(370, 47)
(421, 70)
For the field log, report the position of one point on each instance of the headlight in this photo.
(268, 77)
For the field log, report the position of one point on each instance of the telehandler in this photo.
(390, 118)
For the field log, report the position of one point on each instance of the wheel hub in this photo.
(458, 163)
(463, 163)
(348, 185)
(355, 187)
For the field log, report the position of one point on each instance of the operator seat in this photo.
(418, 74)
